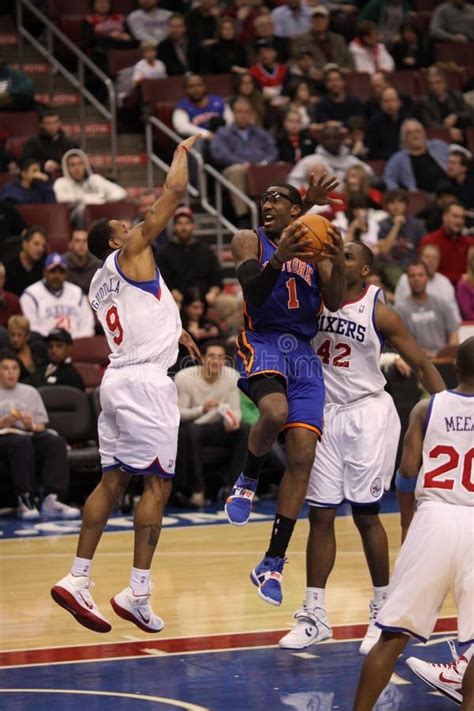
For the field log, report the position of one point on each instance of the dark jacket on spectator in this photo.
(12, 223)
(229, 146)
(18, 278)
(171, 59)
(431, 112)
(40, 193)
(334, 50)
(43, 147)
(224, 55)
(290, 151)
(81, 275)
(188, 266)
(382, 135)
(329, 110)
(62, 374)
(9, 306)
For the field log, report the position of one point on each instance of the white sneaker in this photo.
(446, 678)
(52, 508)
(312, 626)
(373, 633)
(26, 510)
(136, 609)
(73, 593)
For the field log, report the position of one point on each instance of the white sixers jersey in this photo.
(348, 346)
(140, 319)
(447, 470)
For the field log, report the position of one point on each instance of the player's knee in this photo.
(321, 517)
(366, 518)
(301, 459)
(274, 417)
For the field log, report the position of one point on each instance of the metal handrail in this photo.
(78, 84)
(203, 169)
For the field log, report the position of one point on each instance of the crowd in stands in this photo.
(402, 158)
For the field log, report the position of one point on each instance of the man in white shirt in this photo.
(369, 54)
(209, 405)
(54, 302)
(438, 285)
(148, 22)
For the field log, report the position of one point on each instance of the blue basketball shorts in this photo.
(295, 360)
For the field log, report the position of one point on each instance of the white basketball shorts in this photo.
(436, 557)
(138, 425)
(356, 456)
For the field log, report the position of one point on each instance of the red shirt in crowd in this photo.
(270, 78)
(454, 249)
(9, 306)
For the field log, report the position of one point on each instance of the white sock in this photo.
(140, 581)
(81, 566)
(314, 597)
(380, 595)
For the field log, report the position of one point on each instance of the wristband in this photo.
(407, 486)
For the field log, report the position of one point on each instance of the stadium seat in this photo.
(462, 54)
(421, 20)
(70, 414)
(358, 84)
(163, 110)
(405, 82)
(118, 59)
(440, 133)
(455, 81)
(417, 201)
(172, 88)
(121, 210)
(22, 123)
(425, 5)
(377, 166)
(58, 8)
(71, 26)
(54, 218)
(91, 350)
(92, 374)
(259, 177)
(6, 178)
(15, 145)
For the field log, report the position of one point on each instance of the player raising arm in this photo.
(139, 421)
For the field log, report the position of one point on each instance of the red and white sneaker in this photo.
(445, 678)
(136, 609)
(73, 594)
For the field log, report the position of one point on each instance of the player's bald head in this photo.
(465, 360)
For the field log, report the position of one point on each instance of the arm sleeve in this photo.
(29, 306)
(234, 396)
(220, 151)
(47, 190)
(386, 60)
(39, 414)
(390, 174)
(183, 125)
(269, 147)
(228, 115)
(452, 322)
(436, 26)
(187, 411)
(137, 25)
(402, 290)
(113, 192)
(257, 284)
(64, 193)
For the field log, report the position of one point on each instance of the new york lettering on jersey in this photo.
(295, 302)
(140, 319)
(349, 344)
(447, 471)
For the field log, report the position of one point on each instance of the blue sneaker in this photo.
(267, 576)
(239, 504)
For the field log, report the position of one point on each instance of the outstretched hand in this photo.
(318, 190)
(189, 142)
(188, 342)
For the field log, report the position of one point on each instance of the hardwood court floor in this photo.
(201, 579)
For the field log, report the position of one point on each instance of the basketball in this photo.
(318, 231)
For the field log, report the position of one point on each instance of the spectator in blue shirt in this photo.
(31, 187)
(292, 19)
(199, 112)
(237, 146)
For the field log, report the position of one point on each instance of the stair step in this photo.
(90, 129)
(32, 67)
(9, 40)
(104, 160)
(58, 98)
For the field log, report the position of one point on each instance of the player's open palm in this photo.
(189, 142)
(294, 243)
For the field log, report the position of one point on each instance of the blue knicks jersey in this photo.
(295, 302)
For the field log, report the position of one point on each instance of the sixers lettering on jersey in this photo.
(295, 302)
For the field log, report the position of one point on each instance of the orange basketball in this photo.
(318, 231)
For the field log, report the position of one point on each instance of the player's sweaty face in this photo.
(276, 210)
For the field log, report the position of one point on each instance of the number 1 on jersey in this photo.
(112, 320)
(293, 302)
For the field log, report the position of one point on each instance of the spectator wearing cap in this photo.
(149, 23)
(31, 187)
(149, 67)
(337, 105)
(460, 177)
(187, 263)
(26, 268)
(29, 348)
(292, 19)
(369, 54)
(55, 303)
(325, 47)
(269, 74)
(81, 264)
(420, 164)
(382, 136)
(453, 244)
(236, 147)
(30, 448)
(9, 302)
(59, 369)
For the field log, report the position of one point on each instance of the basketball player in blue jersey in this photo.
(283, 295)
